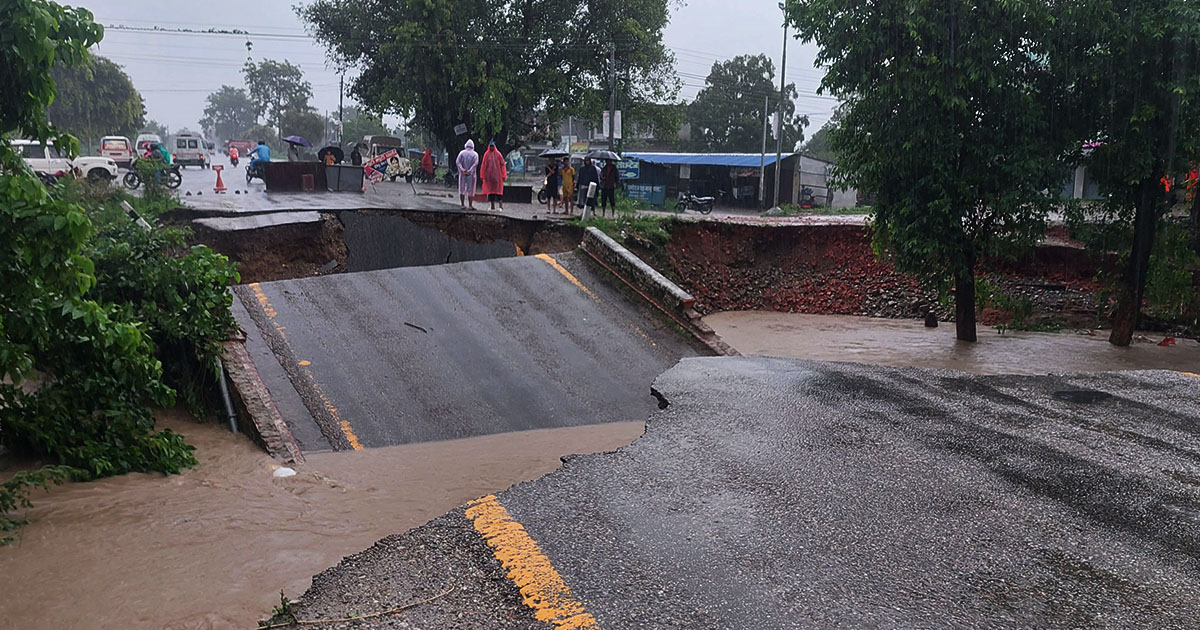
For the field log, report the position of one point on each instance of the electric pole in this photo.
(779, 109)
(341, 108)
(612, 104)
(762, 162)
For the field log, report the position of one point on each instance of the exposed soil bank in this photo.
(831, 269)
(361, 240)
(212, 547)
(897, 343)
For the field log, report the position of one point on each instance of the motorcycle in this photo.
(233, 162)
(48, 179)
(688, 201)
(171, 177)
(255, 169)
(424, 177)
(450, 179)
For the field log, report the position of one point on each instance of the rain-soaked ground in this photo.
(907, 343)
(212, 547)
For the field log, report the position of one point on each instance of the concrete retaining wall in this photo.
(257, 414)
(655, 287)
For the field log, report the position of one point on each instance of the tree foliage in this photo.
(96, 99)
(276, 86)
(503, 68)
(727, 115)
(819, 145)
(304, 123)
(229, 113)
(950, 118)
(1135, 71)
(358, 123)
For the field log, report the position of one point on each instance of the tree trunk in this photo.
(964, 303)
(1195, 219)
(1133, 284)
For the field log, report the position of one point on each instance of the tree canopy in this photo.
(304, 123)
(950, 118)
(727, 115)
(819, 145)
(503, 68)
(95, 99)
(276, 87)
(229, 113)
(358, 124)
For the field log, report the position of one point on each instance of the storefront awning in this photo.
(743, 160)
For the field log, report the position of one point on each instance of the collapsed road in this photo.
(775, 493)
(443, 352)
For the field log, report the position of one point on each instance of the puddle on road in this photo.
(211, 548)
(907, 343)
(376, 242)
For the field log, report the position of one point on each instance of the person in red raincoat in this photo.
(493, 172)
(427, 165)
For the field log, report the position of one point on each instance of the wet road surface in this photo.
(434, 353)
(907, 343)
(777, 493)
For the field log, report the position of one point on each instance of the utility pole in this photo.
(612, 104)
(341, 109)
(779, 108)
(762, 162)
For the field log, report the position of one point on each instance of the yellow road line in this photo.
(344, 425)
(546, 258)
(1190, 374)
(520, 252)
(542, 588)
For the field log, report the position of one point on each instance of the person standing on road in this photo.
(609, 177)
(552, 185)
(567, 173)
(293, 153)
(356, 157)
(427, 165)
(467, 160)
(587, 177)
(493, 171)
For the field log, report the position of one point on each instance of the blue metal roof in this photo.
(706, 159)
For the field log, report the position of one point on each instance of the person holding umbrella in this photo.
(294, 144)
(609, 178)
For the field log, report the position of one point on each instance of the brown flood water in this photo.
(907, 343)
(211, 548)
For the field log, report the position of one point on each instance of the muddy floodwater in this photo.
(907, 343)
(212, 548)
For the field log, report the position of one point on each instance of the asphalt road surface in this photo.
(435, 353)
(776, 493)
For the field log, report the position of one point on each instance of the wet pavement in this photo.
(907, 343)
(433, 353)
(775, 493)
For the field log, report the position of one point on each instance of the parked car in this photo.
(145, 140)
(190, 149)
(118, 149)
(46, 159)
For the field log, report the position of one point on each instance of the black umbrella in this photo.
(338, 154)
(602, 154)
(553, 153)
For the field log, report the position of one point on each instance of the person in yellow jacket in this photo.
(567, 174)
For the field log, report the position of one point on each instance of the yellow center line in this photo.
(1190, 374)
(344, 425)
(542, 588)
(546, 258)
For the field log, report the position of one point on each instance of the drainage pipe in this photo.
(229, 412)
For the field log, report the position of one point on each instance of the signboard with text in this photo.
(377, 168)
(580, 147)
(629, 169)
(654, 195)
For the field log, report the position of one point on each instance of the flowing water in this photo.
(907, 343)
(212, 547)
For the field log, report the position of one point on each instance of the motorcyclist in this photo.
(260, 153)
(233, 156)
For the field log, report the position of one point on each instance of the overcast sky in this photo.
(175, 72)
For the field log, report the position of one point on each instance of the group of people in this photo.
(561, 180)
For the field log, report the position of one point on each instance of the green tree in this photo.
(501, 67)
(1136, 75)
(948, 118)
(727, 115)
(96, 99)
(819, 145)
(156, 128)
(229, 113)
(277, 86)
(304, 123)
(359, 123)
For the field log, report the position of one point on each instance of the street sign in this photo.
(377, 168)
(653, 195)
(617, 125)
(604, 126)
(580, 147)
(460, 130)
(629, 169)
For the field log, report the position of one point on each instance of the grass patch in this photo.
(648, 230)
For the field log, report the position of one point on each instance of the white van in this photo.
(118, 149)
(189, 149)
(144, 141)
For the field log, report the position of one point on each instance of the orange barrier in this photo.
(220, 187)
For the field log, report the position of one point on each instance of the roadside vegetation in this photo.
(101, 320)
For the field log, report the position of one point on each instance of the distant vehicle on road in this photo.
(190, 149)
(145, 140)
(46, 159)
(118, 149)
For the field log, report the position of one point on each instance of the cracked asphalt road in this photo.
(776, 493)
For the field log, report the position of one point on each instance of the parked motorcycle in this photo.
(48, 179)
(688, 201)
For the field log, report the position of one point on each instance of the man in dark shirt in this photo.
(609, 178)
